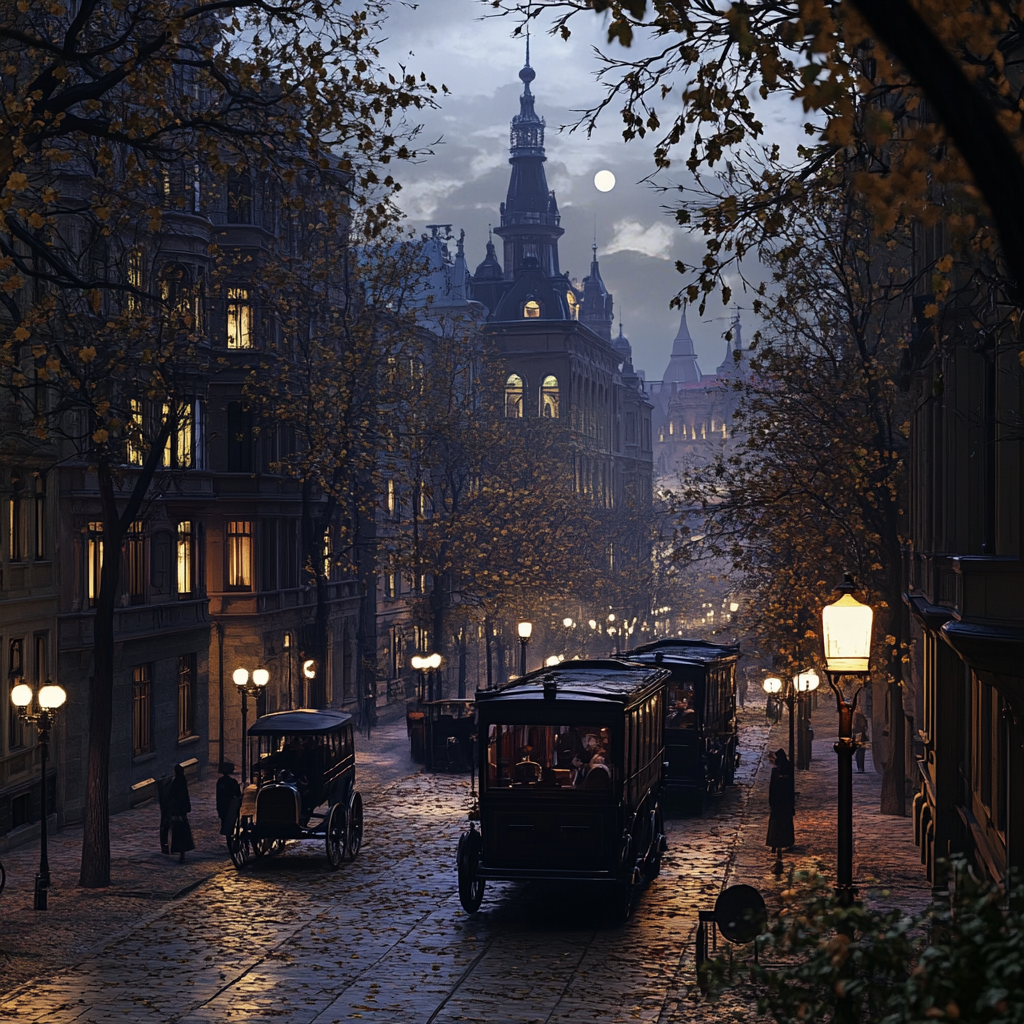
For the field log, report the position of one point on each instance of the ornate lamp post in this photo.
(248, 688)
(525, 629)
(773, 686)
(846, 632)
(47, 701)
(613, 630)
(804, 683)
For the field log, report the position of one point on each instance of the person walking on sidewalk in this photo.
(860, 731)
(229, 796)
(782, 802)
(163, 797)
(180, 808)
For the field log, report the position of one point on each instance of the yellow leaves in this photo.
(16, 181)
(102, 213)
(21, 334)
(931, 311)
(87, 354)
(36, 219)
(155, 218)
(100, 436)
(945, 265)
(38, 351)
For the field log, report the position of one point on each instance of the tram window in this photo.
(549, 756)
(682, 712)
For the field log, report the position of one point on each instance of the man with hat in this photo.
(782, 804)
(229, 796)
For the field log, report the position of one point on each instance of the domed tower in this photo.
(529, 216)
(488, 280)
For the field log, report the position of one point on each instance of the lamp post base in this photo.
(39, 899)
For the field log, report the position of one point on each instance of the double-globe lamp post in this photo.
(525, 630)
(49, 698)
(248, 688)
(773, 687)
(424, 663)
(804, 683)
(846, 634)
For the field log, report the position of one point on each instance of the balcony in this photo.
(989, 591)
(75, 629)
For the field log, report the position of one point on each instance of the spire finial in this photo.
(527, 44)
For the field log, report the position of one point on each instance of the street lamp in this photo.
(525, 629)
(424, 664)
(47, 700)
(805, 683)
(568, 623)
(248, 688)
(613, 629)
(846, 633)
(309, 674)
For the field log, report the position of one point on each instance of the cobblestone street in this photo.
(385, 939)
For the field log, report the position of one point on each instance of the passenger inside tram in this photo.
(549, 757)
(681, 714)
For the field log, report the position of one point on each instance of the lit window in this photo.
(184, 559)
(549, 398)
(134, 278)
(179, 452)
(239, 318)
(94, 559)
(135, 563)
(17, 509)
(574, 305)
(514, 391)
(327, 554)
(671, 428)
(531, 310)
(135, 432)
(391, 497)
(240, 554)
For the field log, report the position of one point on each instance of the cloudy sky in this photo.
(467, 177)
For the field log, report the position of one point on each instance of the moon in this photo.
(604, 181)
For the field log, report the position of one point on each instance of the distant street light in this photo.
(846, 632)
(247, 689)
(49, 698)
(525, 629)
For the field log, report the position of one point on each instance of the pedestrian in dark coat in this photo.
(229, 796)
(782, 801)
(860, 732)
(180, 808)
(163, 796)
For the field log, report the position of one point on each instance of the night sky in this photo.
(453, 42)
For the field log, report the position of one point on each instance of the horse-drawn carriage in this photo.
(303, 787)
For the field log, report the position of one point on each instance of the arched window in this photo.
(574, 304)
(514, 391)
(531, 310)
(549, 398)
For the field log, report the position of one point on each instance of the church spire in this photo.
(530, 220)
(596, 310)
(682, 366)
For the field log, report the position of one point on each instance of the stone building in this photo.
(693, 411)
(963, 692)
(211, 578)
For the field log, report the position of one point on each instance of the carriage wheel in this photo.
(624, 893)
(240, 845)
(471, 888)
(335, 841)
(355, 828)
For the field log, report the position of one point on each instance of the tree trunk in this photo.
(894, 787)
(365, 543)
(94, 872)
(317, 513)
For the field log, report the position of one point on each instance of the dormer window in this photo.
(531, 310)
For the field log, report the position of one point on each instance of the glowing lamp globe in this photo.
(418, 663)
(21, 695)
(525, 629)
(567, 623)
(805, 682)
(434, 661)
(309, 668)
(51, 697)
(846, 630)
(261, 677)
(240, 676)
(772, 685)
(553, 660)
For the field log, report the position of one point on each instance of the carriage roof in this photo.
(305, 722)
(682, 649)
(612, 680)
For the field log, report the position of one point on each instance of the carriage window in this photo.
(682, 713)
(549, 757)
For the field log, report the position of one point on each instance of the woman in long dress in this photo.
(180, 806)
(782, 801)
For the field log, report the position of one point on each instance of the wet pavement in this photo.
(385, 938)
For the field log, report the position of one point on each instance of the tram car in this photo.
(570, 762)
(701, 741)
(303, 787)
